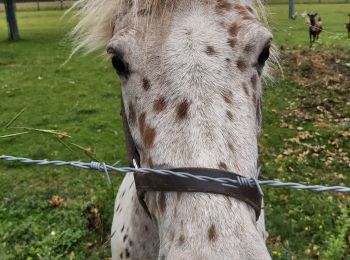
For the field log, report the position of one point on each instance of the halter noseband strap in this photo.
(244, 190)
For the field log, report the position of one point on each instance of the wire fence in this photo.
(224, 181)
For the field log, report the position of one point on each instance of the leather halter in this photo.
(244, 191)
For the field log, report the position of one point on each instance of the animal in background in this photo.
(347, 25)
(315, 27)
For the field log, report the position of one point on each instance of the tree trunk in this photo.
(11, 20)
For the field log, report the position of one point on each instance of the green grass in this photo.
(82, 98)
(310, 2)
(53, 5)
(295, 33)
(305, 224)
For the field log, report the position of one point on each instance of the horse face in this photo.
(190, 75)
(191, 84)
(189, 61)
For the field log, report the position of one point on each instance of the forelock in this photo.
(97, 19)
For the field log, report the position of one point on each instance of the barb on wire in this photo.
(224, 181)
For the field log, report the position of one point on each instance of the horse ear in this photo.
(315, 14)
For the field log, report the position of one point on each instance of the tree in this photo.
(11, 20)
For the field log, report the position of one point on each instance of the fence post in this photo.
(10, 10)
(291, 9)
(38, 5)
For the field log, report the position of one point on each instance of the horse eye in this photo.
(120, 66)
(264, 55)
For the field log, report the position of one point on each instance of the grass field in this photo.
(294, 34)
(56, 5)
(308, 2)
(45, 212)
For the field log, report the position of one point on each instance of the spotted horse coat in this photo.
(190, 75)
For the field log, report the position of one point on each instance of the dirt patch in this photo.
(309, 67)
(325, 76)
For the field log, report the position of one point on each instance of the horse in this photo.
(190, 74)
(315, 27)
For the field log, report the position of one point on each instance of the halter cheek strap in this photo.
(133, 154)
(245, 189)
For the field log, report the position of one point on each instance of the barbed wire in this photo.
(103, 167)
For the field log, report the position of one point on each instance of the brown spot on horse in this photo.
(241, 65)
(231, 147)
(227, 99)
(159, 104)
(243, 12)
(182, 110)
(181, 240)
(229, 115)
(212, 234)
(146, 84)
(210, 51)
(245, 88)
(254, 81)
(147, 133)
(233, 30)
(222, 166)
(148, 137)
(232, 42)
(227, 96)
(223, 6)
(249, 48)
